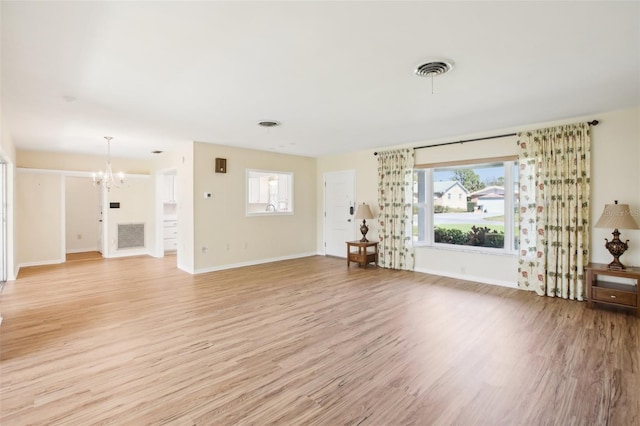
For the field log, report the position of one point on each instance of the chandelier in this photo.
(107, 179)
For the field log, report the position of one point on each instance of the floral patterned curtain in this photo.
(395, 180)
(554, 171)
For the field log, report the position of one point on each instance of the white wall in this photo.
(180, 160)
(8, 153)
(615, 175)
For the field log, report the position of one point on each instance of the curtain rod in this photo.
(590, 123)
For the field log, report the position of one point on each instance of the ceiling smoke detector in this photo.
(269, 123)
(434, 68)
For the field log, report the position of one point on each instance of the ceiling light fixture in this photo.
(434, 68)
(106, 179)
(269, 123)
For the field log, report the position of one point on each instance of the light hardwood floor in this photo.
(135, 341)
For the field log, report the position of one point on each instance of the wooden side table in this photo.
(611, 293)
(363, 255)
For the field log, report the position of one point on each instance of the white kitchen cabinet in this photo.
(170, 195)
(170, 235)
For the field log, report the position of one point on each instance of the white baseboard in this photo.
(84, 250)
(186, 269)
(128, 253)
(39, 263)
(251, 263)
(465, 277)
(15, 274)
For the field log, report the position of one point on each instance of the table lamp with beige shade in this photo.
(364, 213)
(616, 216)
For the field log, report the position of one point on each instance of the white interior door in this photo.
(339, 211)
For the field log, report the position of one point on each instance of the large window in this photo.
(470, 206)
(269, 192)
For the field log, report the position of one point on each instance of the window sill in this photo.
(269, 214)
(466, 249)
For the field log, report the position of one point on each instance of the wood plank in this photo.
(305, 341)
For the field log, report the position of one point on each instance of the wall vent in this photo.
(130, 235)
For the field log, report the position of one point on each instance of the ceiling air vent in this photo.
(433, 68)
(269, 123)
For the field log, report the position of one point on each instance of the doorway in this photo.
(82, 221)
(339, 211)
(167, 212)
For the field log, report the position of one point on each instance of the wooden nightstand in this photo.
(609, 293)
(363, 255)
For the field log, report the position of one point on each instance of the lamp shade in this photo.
(364, 212)
(616, 216)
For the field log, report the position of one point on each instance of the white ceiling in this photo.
(338, 75)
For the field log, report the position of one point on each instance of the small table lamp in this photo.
(616, 216)
(364, 213)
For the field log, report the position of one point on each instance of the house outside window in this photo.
(466, 206)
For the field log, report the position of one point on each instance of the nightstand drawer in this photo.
(603, 294)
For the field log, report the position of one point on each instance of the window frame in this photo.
(510, 165)
(250, 190)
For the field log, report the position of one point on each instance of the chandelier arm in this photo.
(107, 179)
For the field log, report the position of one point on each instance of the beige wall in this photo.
(39, 218)
(136, 206)
(45, 168)
(232, 239)
(615, 156)
(365, 165)
(614, 176)
(221, 225)
(82, 200)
